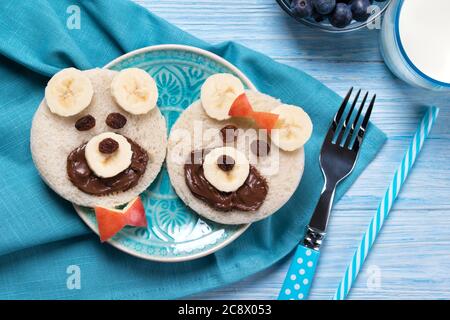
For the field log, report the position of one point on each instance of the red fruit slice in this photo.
(135, 214)
(241, 107)
(265, 120)
(111, 221)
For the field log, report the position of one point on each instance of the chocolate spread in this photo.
(249, 197)
(84, 179)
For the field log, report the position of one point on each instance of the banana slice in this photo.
(135, 90)
(293, 128)
(107, 165)
(218, 94)
(68, 92)
(226, 168)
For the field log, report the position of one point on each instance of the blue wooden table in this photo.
(411, 259)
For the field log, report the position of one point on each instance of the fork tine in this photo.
(355, 122)
(347, 120)
(352, 107)
(338, 115)
(362, 131)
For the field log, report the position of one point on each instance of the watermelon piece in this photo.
(111, 221)
(241, 107)
(265, 120)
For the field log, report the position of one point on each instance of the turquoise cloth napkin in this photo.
(41, 235)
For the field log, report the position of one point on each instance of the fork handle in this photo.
(319, 219)
(300, 274)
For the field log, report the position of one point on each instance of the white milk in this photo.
(415, 42)
(424, 27)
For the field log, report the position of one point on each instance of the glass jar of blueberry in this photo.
(336, 15)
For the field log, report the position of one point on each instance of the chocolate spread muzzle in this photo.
(249, 197)
(85, 179)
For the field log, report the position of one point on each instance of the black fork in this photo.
(338, 157)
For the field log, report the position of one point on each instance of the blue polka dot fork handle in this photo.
(338, 157)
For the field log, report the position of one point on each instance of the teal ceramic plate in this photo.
(174, 232)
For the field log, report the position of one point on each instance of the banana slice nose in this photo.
(108, 154)
(226, 168)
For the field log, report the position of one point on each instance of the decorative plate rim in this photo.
(244, 227)
(196, 50)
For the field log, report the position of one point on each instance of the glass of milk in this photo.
(415, 42)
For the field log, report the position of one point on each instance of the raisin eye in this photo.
(116, 120)
(85, 123)
(229, 133)
(260, 148)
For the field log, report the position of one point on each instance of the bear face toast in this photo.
(237, 156)
(98, 139)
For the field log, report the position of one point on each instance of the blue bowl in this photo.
(325, 25)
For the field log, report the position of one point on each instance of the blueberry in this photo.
(318, 17)
(324, 6)
(360, 9)
(342, 16)
(302, 8)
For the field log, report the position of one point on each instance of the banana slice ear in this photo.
(218, 94)
(68, 92)
(135, 91)
(293, 129)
